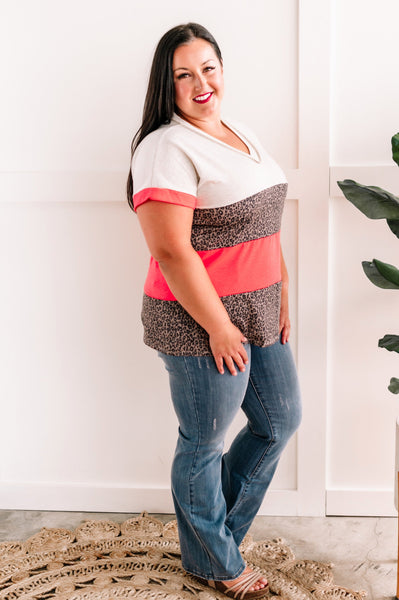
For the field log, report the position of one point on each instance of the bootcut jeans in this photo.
(217, 495)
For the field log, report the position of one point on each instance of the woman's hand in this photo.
(285, 324)
(227, 346)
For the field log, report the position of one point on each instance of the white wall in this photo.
(87, 420)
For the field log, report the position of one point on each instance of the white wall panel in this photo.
(313, 156)
(86, 401)
(362, 412)
(364, 83)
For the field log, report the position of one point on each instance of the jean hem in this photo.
(213, 577)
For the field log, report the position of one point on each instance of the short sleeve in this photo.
(162, 171)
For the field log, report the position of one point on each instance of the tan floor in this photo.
(363, 549)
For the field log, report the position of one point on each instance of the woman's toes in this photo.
(259, 585)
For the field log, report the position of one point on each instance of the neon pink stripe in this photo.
(164, 195)
(246, 267)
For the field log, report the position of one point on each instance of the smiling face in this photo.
(198, 81)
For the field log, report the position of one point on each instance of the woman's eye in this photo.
(186, 75)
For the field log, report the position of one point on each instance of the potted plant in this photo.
(376, 203)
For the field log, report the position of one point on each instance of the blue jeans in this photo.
(216, 496)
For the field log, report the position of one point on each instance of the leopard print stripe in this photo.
(255, 217)
(171, 330)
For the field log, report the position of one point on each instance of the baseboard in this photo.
(360, 503)
(124, 499)
(118, 498)
(84, 497)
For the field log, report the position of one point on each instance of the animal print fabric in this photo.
(170, 329)
(255, 217)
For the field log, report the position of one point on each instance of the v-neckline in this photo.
(255, 157)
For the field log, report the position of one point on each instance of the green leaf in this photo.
(390, 272)
(394, 385)
(382, 274)
(395, 148)
(390, 342)
(372, 201)
(394, 226)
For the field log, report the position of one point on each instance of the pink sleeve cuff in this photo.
(164, 195)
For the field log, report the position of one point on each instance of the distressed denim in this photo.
(217, 495)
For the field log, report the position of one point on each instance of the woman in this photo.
(209, 200)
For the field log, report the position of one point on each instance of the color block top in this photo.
(237, 200)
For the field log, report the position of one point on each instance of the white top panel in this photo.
(184, 158)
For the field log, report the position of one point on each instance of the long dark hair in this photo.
(159, 103)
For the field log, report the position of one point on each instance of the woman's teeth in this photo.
(203, 98)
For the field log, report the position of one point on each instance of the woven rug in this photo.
(140, 558)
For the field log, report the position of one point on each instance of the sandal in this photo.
(239, 590)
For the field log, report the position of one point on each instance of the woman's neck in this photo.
(212, 126)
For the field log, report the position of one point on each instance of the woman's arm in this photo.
(167, 230)
(285, 325)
